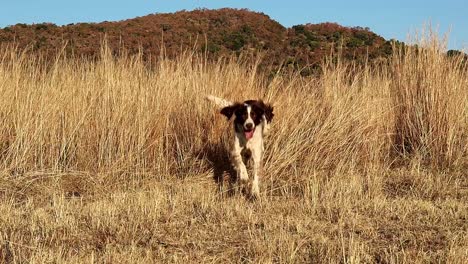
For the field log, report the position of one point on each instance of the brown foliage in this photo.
(217, 32)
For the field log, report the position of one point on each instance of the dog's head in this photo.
(248, 115)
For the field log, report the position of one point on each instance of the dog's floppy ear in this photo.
(268, 110)
(228, 111)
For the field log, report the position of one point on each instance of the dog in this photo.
(252, 120)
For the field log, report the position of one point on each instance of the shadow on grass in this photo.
(223, 173)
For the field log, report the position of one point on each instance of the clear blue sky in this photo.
(390, 19)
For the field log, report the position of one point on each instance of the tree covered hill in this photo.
(216, 32)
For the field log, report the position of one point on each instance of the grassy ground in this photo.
(111, 161)
(386, 217)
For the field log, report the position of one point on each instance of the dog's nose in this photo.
(249, 126)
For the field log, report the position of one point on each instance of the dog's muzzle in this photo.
(249, 130)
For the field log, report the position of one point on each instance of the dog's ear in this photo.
(268, 110)
(228, 111)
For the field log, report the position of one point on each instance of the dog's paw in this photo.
(243, 176)
(255, 191)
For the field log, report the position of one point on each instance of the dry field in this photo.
(115, 162)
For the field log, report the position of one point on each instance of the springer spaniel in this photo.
(251, 123)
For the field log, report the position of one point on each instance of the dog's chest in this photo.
(250, 148)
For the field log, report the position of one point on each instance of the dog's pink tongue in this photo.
(249, 134)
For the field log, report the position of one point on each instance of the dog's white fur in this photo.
(242, 149)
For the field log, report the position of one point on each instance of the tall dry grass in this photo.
(118, 114)
(335, 140)
(430, 97)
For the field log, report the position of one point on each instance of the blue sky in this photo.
(390, 19)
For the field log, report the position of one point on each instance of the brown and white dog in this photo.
(252, 120)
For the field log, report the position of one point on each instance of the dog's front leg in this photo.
(257, 164)
(237, 161)
(240, 167)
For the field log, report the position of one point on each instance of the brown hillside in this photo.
(218, 32)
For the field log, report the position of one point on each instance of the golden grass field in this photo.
(112, 161)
